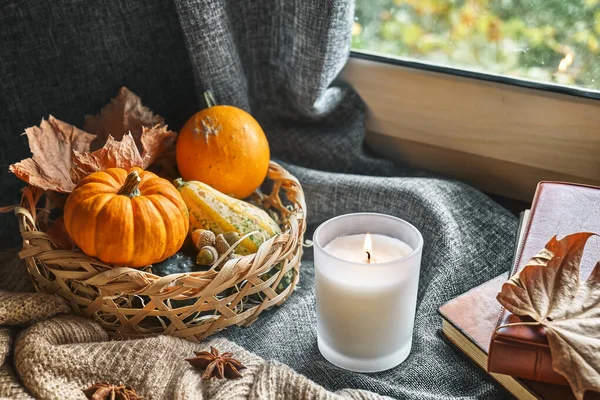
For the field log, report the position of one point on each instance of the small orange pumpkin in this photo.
(224, 147)
(126, 218)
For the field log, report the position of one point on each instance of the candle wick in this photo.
(368, 257)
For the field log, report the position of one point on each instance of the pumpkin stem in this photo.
(130, 187)
(210, 99)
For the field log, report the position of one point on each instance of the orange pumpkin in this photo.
(224, 147)
(126, 218)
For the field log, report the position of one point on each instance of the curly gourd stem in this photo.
(210, 99)
(130, 187)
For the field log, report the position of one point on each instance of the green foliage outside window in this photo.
(546, 40)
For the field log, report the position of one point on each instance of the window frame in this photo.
(485, 76)
(497, 133)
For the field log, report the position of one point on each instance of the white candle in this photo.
(366, 295)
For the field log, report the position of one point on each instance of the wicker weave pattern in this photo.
(132, 302)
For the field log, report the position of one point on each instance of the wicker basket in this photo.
(131, 302)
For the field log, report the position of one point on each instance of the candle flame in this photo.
(368, 247)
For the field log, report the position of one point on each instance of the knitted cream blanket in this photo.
(47, 353)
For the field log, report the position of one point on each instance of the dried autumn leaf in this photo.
(52, 144)
(114, 154)
(61, 152)
(125, 113)
(542, 258)
(569, 310)
(156, 142)
(159, 152)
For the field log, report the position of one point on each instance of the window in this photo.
(551, 41)
(500, 94)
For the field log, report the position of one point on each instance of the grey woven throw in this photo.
(279, 60)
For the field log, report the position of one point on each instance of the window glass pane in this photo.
(555, 41)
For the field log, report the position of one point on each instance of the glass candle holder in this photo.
(366, 300)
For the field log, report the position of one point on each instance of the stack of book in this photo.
(518, 357)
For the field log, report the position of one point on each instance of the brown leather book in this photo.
(469, 320)
(557, 209)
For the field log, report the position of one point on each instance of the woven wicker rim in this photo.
(106, 293)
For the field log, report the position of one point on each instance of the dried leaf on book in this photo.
(548, 290)
(52, 145)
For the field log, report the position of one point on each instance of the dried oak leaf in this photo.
(548, 289)
(52, 144)
(107, 391)
(216, 365)
(125, 113)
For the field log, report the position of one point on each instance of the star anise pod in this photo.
(107, 391)
(217, 365)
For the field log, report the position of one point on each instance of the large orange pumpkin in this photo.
(126, 218)
(224, 147)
